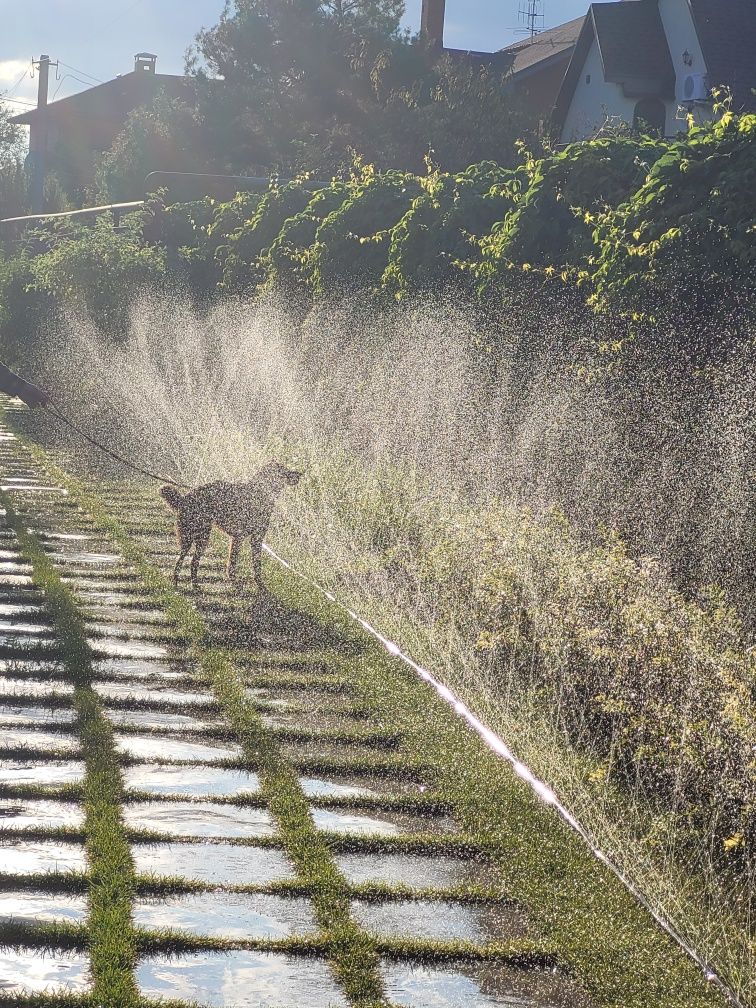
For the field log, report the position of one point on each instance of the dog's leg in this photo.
(256, 544)
(233, 557)
(185, 545)
(201, 540)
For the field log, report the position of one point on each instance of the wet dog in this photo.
(240, 510)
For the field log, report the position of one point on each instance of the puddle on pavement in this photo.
(51, 772)
(32, 687)
(110, 616)
(19, 609)
(22, 857)
(227, 915)
(188, 780)
(15, 580)
(214, 863)
(140, 669)
(165, 747)
(164, 694)
(442, 920)
(345, 787)
(112, 599)
(37, 972)
(131, 630)
(38, 740)
(241, 980)
(33, 716)
(378, 823)
(83, 557)
(200, 819)
(20, 814)
(418, 871)
(63, 536)
(16, 626)
(31, 907)
(160, 720)
(114, 648)
(477, 986)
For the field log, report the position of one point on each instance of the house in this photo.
(652, 63)
(534, 67)
(69, 135)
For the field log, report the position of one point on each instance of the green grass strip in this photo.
(111, 882)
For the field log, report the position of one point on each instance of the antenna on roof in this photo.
(532, 18)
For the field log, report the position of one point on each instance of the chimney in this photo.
(432, 22)
(144, 62)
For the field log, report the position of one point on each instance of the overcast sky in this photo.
(94, 40)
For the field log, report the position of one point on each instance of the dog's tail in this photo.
(171, 496)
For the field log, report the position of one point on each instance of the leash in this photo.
(112, 454)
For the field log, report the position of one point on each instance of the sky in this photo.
(95, 40)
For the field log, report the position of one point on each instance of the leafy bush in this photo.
(690, 224)
(98, 271)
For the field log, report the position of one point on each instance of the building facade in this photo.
(653, 63)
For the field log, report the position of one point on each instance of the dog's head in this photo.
(278, 473)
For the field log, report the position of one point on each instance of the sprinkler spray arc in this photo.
(542, 791)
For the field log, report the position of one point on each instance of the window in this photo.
(587, 78)
(650, 116)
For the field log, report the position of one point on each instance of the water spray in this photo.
(541, 790)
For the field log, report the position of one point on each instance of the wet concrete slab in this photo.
(214, 863)
(136, 668)
(112, 647)
(466, 985)
(30, 717)
(31, 907)
(19, 609)
(38, 740)
(441, 920)
(346, 787)
(165, 747)
(157, 693)
(421, 872)
(17, 628)
(187, 780)
(49, 772)
(241, 980)
(161, 720)
(199, 819)
(22, 686)
(378, 823)
(37, 972)
(22, 857)
(227, 915)
(18, 813)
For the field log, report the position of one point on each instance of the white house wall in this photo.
(680, 30)
(595, 102)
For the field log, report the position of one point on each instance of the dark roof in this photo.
(545, 46)
(633, 49)
(633, 44)
(108, 102)
(727, 33)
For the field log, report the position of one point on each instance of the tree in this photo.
(12, 174)
(304, 85)
(162, 136)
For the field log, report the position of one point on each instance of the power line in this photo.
(83, 73)
(72, 77)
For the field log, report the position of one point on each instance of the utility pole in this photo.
(38, 140)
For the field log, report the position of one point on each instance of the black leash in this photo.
(108, 451)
